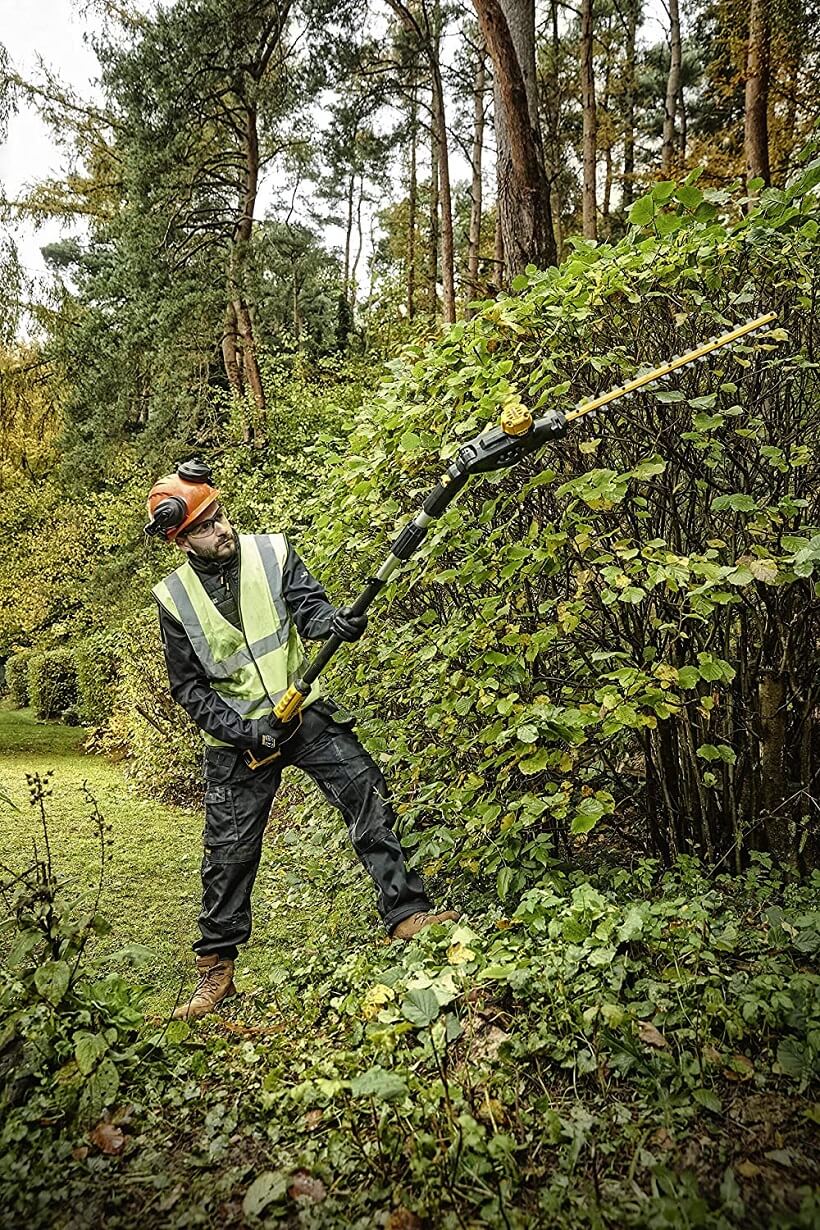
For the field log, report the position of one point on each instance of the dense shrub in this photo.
(52, 682)
(17, 677)
(95, 664)
(625, 626)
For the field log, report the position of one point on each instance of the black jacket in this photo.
(309, 607)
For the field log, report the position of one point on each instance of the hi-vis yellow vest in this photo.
(252, 666)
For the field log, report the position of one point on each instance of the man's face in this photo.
(211, 536)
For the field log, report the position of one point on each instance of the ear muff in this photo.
(175, 500)
(168, 514)
(195, 471)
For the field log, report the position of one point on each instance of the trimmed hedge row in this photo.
(17, 678)
(52, 683)
(73, 683)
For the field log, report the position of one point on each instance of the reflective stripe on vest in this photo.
(249, 671)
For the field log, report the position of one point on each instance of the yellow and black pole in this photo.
(516, 436)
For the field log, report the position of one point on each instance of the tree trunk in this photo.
(589, 196)
(351, 184)
(756, 127)
(684, 131)
(474, 240)
(628, 185)
(230, 351)
(411, 209)
(554, 127)
(447, 243)
(605, 203)
(672, 90)
(498, 253)
(429, 39)
(238, 257)
(508, 27)
(359, 240)
(772, 700)
(432, 242)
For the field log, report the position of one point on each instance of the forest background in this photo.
(595, 691)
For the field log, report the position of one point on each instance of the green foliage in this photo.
(70, 1042)
(95, 666)
(17, 677)
(615, 602)
(598, 1022)
(636, 1040)
(52, 682)
(163, 746)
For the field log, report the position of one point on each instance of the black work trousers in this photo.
(237, 805)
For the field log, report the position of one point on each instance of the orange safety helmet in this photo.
(176, 500)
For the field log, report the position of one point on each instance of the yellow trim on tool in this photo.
(657, 372)
(516, 420)
(289, 705)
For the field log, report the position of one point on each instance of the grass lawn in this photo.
(150, 890)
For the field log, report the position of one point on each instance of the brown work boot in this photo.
(408, 927)
(215, 984)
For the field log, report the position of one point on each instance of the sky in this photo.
(53, 30)
(56, 32)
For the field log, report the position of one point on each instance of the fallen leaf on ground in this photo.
(306, 1186)
(107, 1137)
(747, 1169)
(739, 1068)
(403, 1219)
(650, 1035)
(485, 1045)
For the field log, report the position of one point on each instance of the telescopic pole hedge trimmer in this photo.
(516, 436)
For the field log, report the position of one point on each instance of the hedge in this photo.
(52, 682)
(17, 678)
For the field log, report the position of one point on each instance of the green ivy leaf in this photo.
(380, 1084)
(420, 1007)
(533, 764)
(642, 211)
(738, 502)
(666, 396)
(649, 468)
(88, 1049)
(268, 1187)
(708, 1099)
(51, 980)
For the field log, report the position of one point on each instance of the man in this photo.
(231, 617)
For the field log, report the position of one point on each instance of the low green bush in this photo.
(17, 678)
(52, 682)
(164, 748)
(95, 663)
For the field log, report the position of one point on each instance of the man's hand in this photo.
(268, 732)
(346, 626)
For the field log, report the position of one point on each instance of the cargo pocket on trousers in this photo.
(220, 817)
